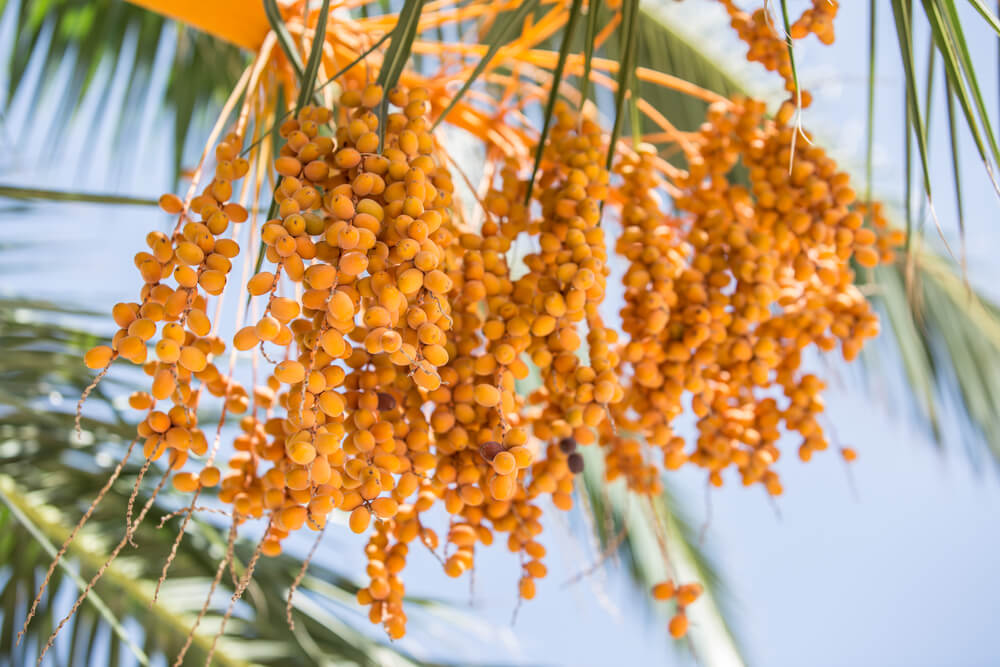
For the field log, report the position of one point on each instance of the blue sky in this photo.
(900, 573)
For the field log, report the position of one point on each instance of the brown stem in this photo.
(135, 492)
(100, 572)
(237, 594)
(86, 392)
(301, 575)
(188, 513)
(208, 599)
(69, 540)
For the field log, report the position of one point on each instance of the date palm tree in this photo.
(945, 334)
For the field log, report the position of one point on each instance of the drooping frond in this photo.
(63, 51)
(656, 540)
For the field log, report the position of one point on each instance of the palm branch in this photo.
(70, 41)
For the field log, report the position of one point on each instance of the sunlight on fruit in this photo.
(409, 356)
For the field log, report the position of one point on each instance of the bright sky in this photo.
(904, 574)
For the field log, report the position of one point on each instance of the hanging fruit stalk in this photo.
(388, 335)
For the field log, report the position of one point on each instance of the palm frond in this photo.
(658, 538)
(56, 195)
(948, 337)
(961, 78)
(74, 44)
(665, 48)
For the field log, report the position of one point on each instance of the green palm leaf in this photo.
(657, 532)
(48, 194)
(84, 35)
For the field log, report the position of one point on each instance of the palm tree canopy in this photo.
(947, 336)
